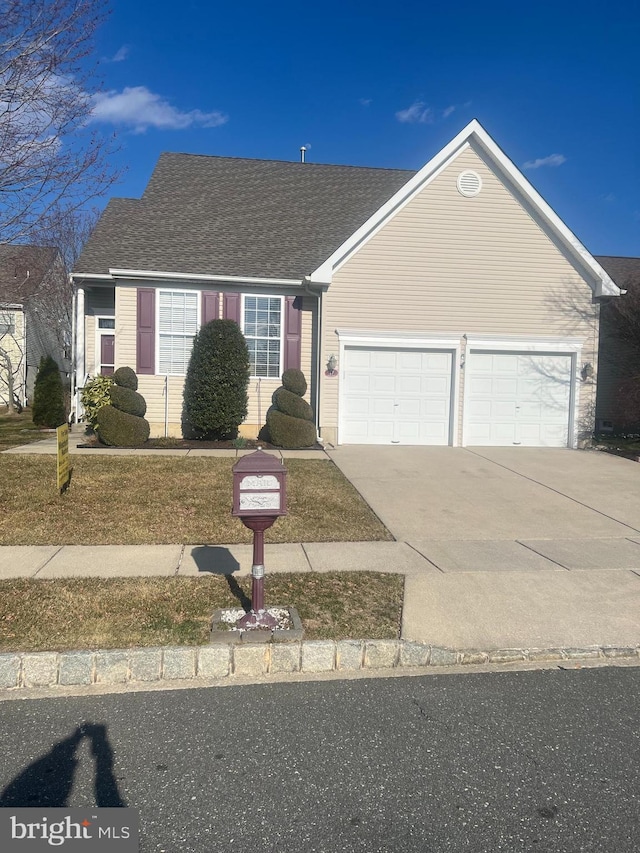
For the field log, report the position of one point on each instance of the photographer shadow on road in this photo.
(48, 781)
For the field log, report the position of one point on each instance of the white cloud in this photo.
(551, 160)
(364, 102)
(121, 54)
(417, 113)
(139, 108)
(447, 111)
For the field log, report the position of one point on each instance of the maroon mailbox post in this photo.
(259, 497)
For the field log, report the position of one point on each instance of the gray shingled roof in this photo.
(230, 216)
(624, 271)
(22, 268)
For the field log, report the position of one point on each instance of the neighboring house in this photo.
(618, 399)
(29, 278)
(448, 306)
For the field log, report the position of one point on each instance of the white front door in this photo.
(395, 396)
(518, 399)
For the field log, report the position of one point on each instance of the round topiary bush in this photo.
(122, 423)
(125, 377)
(293, 380)
(48, 395)
(215, 389)
(118, 429)
(128, 401)
(288, 432)
(290, 421)
(290, 404)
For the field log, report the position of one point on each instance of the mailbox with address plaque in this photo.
(259, 497)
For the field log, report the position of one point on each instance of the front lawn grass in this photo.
(119, 500)
(96, 613)
(18, 429)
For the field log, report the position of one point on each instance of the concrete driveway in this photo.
(495, 493)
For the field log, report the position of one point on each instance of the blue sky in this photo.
(387, 85)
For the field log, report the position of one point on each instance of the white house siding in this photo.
(152, 388)
(446, 263)
(14, 345)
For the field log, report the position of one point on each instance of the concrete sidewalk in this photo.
(477, 594)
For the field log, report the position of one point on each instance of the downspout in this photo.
(318, 297)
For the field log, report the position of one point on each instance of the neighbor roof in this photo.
(22, 268)
(237, 217)
(624, 271)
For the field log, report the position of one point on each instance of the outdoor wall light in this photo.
(331, 365)
(587, 371)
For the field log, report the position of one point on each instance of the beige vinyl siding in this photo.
(153, 387)
(13, 343)
(446, 263)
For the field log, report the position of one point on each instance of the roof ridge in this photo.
(284, 162)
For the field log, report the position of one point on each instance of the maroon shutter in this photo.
(232, 307)
(292, 331)
(210, 306)
(146, 331)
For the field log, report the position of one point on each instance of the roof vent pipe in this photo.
(303, 151)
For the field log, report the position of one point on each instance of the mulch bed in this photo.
(187, 444)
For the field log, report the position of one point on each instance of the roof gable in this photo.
(474, 135)
(22, 270)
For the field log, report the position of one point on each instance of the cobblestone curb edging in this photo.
(121, 666)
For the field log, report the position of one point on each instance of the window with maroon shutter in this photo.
(210, 306)
(293, 332)
(232, 307)
(262, 326)
(146, 330)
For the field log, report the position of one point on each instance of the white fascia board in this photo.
(79, 277)
(163, 275)
(472, 133)
(11, 306)
(507, 343)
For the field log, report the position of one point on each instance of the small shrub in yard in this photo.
(215, 390)
(122, 423)
(94, 395)
(290, 418)
(48, 395)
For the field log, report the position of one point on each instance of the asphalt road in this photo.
(513, 761)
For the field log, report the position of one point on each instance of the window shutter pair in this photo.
(146, 322)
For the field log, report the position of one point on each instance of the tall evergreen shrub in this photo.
(48, 395)
(215, 391)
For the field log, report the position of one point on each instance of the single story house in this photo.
(30, 281)
(447, 306)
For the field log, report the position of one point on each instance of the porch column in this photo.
(79, 355)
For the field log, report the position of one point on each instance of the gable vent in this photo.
(469, 183)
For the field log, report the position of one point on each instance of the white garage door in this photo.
(518, 398)
(395, 396)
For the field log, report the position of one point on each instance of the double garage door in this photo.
(406, 396)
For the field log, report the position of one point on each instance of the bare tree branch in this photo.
(48, 157)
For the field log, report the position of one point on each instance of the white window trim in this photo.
(97, 360)
(399, 340)
(282, 329)
(157, 321)
(543, 346)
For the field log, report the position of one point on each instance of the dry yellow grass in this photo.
(41, 615)
(115, 500)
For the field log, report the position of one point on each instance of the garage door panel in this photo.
(403, 396)
(518, 398)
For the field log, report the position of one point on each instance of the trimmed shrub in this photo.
(290, 418)
(125, 377)
(94, 395)
(215, 389)
(294, 381)
(48, 395)
(118, 429)
(128, 401)
(288, 432)
(290, 404)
